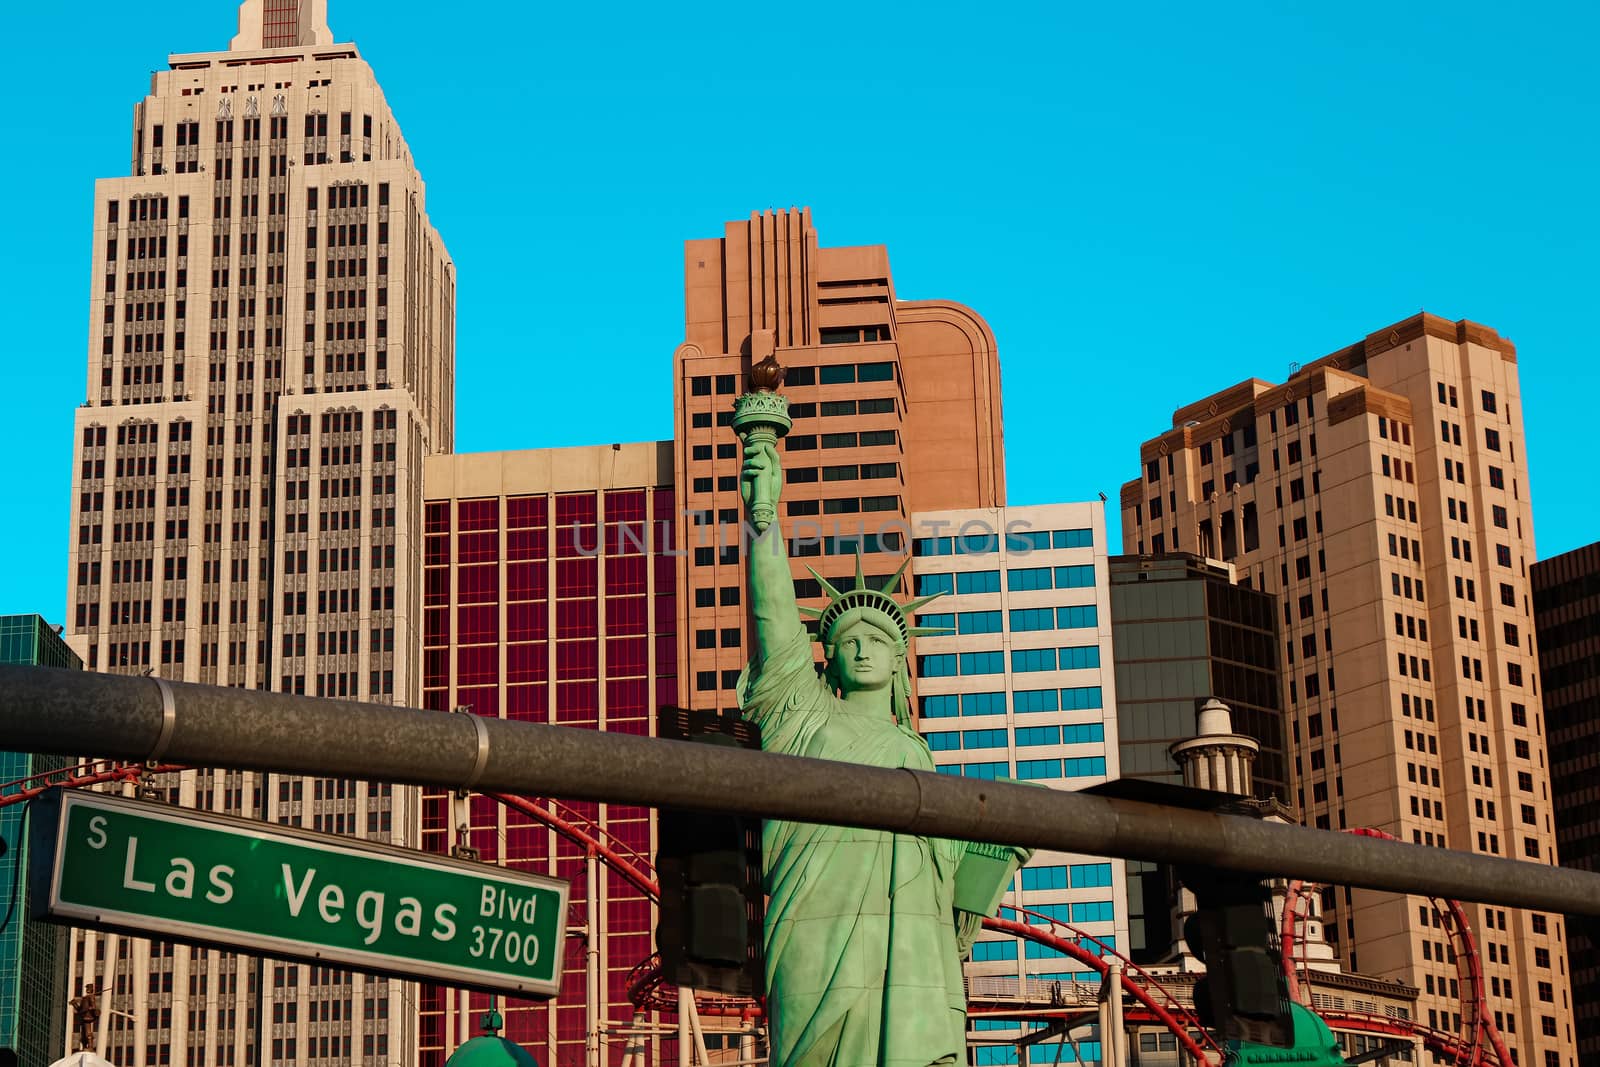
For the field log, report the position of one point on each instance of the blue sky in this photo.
(1146, 203)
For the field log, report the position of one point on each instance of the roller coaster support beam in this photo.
(77, 712)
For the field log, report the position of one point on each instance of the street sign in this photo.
(175, 874)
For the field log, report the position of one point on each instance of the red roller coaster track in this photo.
(1477, 1044)
(1477, 1029)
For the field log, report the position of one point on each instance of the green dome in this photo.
(491, 1050)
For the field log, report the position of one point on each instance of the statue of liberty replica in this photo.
(865, 929)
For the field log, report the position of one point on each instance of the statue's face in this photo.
(864, 657)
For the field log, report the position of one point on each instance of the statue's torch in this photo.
(761, 416)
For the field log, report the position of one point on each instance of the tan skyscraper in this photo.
(271, 356)
(896, 408)
(1381, 495)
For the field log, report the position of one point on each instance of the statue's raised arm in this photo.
(773, 607)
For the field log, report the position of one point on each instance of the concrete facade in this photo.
(1023, 689)
(246, 499)
(896, 408)
(1566, 609)
(1381, 495)
(550, 597)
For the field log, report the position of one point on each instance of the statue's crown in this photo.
(862, 598)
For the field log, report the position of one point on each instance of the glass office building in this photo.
(33, 958)
(1022, 688)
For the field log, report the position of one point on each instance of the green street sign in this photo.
(174, 874)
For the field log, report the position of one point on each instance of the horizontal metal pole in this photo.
(81, 713)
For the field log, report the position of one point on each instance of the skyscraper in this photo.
(1185, 631)
(33, 958)
(550, 597)
(1566, 609)
(1021, 688)
(896, 408)
(246, 506)
(1381, 496)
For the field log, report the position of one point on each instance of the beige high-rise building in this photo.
(1381, 495)
(271, 356)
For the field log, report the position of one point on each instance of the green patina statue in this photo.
(865, 930)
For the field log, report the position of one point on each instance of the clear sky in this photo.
(1146, 202)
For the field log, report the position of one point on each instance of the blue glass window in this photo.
(928, 584)
(977, 544)
(1086, 767)
(1021, 541)
(984, 662)
(1025, 700)
(1089, 875)
(1023, 579)
(1078, 576)
(1058, 912)
(1037, 951)
(1052, 877)
(940, 707)
(988, 951)
(1024, 619)
(1073, 659)
(1072, 538)
(1080, 698)
(1093, 911)
(1076, 617)
(993, 1024)
(1082, 733)
(1029, 770)
(1110, 944)
(983, 738)
(952, 769)
(945, 621)
(983, 703)
(991, 771)
(978, 582)
(995, 1055)
(1024, 660)
(944, 741)
(940, 666)
(931, 546)
(980, 622)
(1031, 736)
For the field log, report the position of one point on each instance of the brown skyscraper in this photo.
(1381, 495)
(896, 408)
(270, 358)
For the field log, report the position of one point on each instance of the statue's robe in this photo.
(862, 963)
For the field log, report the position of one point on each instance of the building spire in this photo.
(281, 24)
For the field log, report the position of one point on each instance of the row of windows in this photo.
(1023, 660)
(1045, 1052)
(1016, 541)
(843, 505)
(1024, 579)
(947, 705)
(1031, 770)
(1026, 737)
(841, 374)
(851, 439)
(1075, 876)
(1079, 616)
